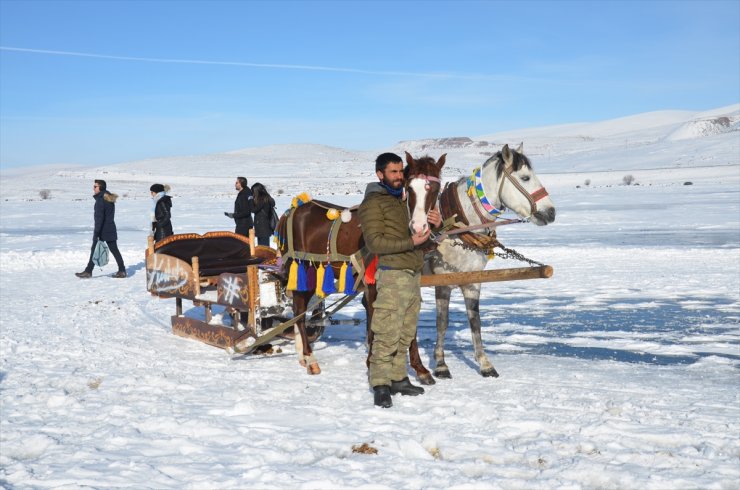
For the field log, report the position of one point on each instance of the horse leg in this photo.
(442, 299)
(299, 306)
(422, 373)
(471, 293)
(368, 298)
(303, 347)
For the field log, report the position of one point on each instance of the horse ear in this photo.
(409, 158)
(507, 156)
(441, 161)
(520, 150)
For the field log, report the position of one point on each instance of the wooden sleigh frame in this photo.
(223, 268)
(218, 268)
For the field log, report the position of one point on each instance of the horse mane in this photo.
(519, 160)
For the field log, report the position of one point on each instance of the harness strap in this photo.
(333, 233)
(423, 177)
(477, 210)
(451, 207)
(449, 204)
(537, 195)
(289, 230)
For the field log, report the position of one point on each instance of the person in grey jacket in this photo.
(105, 229)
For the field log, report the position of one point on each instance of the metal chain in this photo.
(509, 253)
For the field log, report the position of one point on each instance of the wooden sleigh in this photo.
(218, 268)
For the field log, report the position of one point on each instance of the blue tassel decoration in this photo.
(349, 281)
(327, 286)
(302, 283)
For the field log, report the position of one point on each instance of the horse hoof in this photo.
(426, 379)
(302, 362)
(489, 373)
(442, 373)
(313, 368)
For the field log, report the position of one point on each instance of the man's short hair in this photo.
(242, 182)
(384, 159)
(101, 184)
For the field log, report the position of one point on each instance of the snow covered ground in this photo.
(620, 371)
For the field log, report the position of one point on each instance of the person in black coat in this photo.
(243, 207)
(162, 218)
(105, 228)
(263, 207)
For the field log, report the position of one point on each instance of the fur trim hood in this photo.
(109, 196)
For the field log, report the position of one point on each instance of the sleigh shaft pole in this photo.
(496, 275)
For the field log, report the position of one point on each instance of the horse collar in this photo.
(476, 189)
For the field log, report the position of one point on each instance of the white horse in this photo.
(506, 180)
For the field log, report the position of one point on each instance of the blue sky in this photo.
(112, 81)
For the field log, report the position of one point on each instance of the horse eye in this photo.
(525, 178)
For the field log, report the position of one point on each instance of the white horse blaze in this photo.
(418, 222)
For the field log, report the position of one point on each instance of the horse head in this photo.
(519, 188)
(423, 183)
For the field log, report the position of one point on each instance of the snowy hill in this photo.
(666, 139)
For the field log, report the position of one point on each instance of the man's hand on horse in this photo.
(421, 237)
(434, 217)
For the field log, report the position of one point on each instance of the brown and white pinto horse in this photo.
(310, 234)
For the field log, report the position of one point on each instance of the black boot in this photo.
(383, 396)
(405, 387)
(83, 275)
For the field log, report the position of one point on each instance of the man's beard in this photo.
(398, 185)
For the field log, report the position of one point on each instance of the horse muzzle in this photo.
(543, 216)
(418, 227)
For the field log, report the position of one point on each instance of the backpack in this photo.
(100, 255)
(273, 219)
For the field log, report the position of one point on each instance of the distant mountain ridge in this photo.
(665, 139)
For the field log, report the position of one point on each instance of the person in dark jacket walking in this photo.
(243, 207)
(105, 228)
(161, 217)
(385, 226)
(264, 205)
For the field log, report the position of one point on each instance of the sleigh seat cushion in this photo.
(217, 252)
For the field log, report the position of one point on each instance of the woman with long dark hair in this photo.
(263, 209)
(161, 214)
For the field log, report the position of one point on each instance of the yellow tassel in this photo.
(293, 276)
(342, 278)
(319, 281)
(332, 214)
(491, 255)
